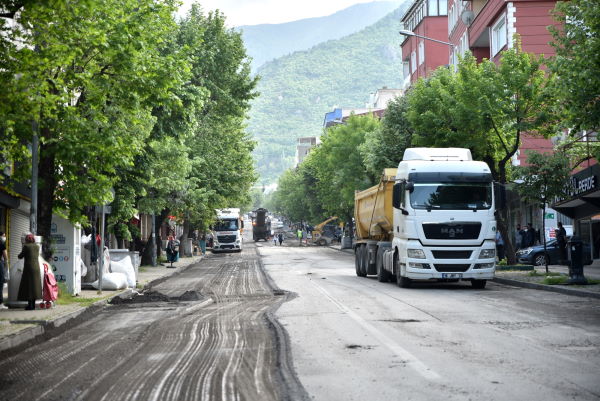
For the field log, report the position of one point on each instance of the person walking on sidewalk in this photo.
(561, 240)
(280, 238)
(30, 288)
(172, 249)
(3, 267)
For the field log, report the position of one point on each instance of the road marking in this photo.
(410, 359)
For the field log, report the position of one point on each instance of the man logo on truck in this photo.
(452, 231)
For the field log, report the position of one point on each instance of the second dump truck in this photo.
(432, 218)
(261, 225)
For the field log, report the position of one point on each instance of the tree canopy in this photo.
(124, 96)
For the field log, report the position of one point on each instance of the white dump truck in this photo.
(227, 230)
(432, 218)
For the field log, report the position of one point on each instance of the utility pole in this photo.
(34, 178)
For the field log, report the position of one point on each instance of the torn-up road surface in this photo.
(204, 334)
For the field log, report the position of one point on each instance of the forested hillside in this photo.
(267, 42)
(297, 90)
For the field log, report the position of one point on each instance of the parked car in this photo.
(534, 255)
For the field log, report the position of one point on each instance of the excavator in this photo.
(319, 236)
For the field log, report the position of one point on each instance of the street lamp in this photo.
(411, 33)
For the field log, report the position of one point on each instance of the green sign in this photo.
(549, 216)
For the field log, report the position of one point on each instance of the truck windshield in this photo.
(226, 225)
(451, 196)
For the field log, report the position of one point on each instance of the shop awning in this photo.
(585, 195)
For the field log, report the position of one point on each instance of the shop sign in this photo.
(578, 186)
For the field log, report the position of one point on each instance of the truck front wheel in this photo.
(402, 281)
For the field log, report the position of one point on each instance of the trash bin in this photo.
(576, 261)
(346, 242)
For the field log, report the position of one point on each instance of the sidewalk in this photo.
(18, 326)
(526, 280)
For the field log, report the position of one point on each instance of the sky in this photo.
(253, 12)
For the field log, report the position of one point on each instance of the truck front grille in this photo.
(451, 254)
(226, 238)
(452, 230)
(451, 268)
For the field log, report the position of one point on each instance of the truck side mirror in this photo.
(410, 186)
(500, 196)
(397, 195)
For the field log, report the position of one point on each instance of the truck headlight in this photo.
(414, 265)
(487, 253)
(483, 265)
(415, 253)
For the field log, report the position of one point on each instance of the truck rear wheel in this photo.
(357, 260)
(403, 282)
(359, 256)
(383, 276)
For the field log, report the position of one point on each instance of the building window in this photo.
(413, 62)
(499, 35)
(406, 69)
(433, 8)
(421, 52)
(437, 7)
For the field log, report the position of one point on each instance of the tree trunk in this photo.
(147, 253)
(183, 239)
(46, 186)
(501, 224)
(543, 234)
(159, 222)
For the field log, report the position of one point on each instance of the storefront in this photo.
(583, 206)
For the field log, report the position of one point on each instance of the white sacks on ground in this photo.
(112, 281)
(126, 267)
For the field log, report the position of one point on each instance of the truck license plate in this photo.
(451, 275)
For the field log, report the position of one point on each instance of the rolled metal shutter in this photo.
(19, 224)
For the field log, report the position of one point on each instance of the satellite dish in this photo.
(467, 17)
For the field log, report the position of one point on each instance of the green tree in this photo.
(577, 62)
(384, 147)
(339, 167)
(88, 73)
(544, 179)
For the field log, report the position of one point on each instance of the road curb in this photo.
(544, 287)
(21, 337)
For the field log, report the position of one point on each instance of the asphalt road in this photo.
(205, 334)
(357, 339)
(311, 329)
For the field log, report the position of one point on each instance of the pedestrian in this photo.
(30, 288)
(499, 246)
(3, 267)
(529, 236)
(203, 244)
(274, 240)
(280, 238)
(300, 235)
(172, 249)
(519, 234)
(561, 240)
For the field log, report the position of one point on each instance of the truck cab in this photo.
(227, 231)
(444, 223)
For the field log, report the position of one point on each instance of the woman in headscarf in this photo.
(30, 288)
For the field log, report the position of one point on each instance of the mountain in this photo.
(297, 90)
(266, 42)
